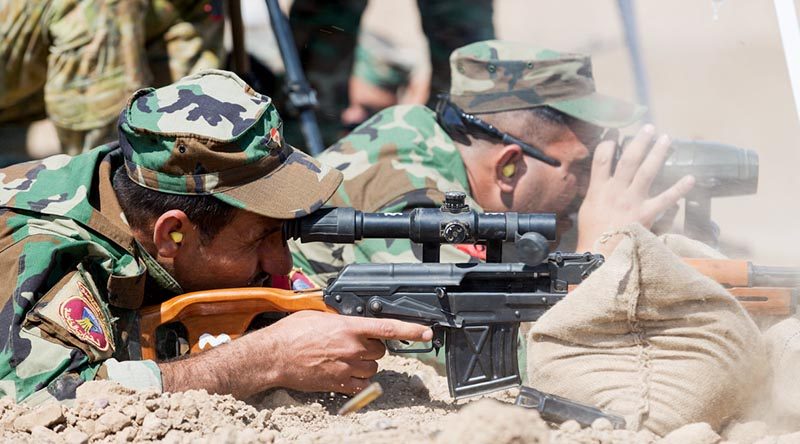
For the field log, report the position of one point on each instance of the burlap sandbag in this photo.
(648, 337)
(783, 346)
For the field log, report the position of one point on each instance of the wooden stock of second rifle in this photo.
(763, 291)
(232, 311)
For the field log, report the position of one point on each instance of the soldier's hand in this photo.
(308, 351)
(615, 200)
(326, 352)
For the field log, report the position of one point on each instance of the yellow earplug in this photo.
(176, 236)
(509, 169)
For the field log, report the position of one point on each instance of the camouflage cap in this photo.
(210, 133)
(494, 75)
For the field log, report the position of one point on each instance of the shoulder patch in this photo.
(71, 313)
(81, 316)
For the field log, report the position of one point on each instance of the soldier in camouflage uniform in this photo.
(403, 158)
(77, 62)
(192, 197)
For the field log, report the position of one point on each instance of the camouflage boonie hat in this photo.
(211, 134)
(494, 75)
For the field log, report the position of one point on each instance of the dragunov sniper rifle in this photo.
(474, 309)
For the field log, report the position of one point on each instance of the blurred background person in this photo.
(383, 75)
(76, 62)
(326, 34)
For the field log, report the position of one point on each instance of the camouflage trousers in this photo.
(326, 33)
(78, 61)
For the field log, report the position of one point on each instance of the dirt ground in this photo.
(722, 79)
(415, 407)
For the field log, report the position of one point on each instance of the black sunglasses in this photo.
(459, 124)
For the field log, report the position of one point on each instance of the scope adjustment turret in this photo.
(455, 202)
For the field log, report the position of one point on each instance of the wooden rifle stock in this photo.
(227, 311)
(759, 293)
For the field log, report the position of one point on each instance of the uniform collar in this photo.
(158, 273)
(126, 291)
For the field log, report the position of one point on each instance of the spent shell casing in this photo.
(362, 399)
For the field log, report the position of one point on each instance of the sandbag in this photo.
(685, 247)
(648, 337)
(783, 347)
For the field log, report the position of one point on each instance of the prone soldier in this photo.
(519, 131)
(192, 197)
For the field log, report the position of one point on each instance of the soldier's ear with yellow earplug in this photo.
(509, 169)
(176, 236)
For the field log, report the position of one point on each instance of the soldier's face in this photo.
(245, 253)
(544, 188)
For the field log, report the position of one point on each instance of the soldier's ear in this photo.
(170, 232)
(508, 165)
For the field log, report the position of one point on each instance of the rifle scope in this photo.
(453, 223)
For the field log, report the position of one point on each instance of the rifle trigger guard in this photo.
(400, 350)
(436, 343)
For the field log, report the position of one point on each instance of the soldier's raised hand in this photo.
(615, 200)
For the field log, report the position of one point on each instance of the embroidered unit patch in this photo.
(82, 318)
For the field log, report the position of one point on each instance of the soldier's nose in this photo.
(275, 258)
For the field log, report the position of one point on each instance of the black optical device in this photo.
(459, 124)
(453, 223)
(719, 170)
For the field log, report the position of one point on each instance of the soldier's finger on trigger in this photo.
(633, 155)
(394, 329)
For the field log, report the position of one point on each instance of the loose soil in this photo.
(415, 407)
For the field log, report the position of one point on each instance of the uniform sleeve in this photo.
(57, 330)
(137, 375)
(183, 38)
(320, 261)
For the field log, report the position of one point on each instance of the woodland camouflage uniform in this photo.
(402, 158)
(71, 272)
(77, 62)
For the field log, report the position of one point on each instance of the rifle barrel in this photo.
(769, 276)
(302, 97)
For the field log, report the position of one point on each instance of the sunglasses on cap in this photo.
(459, 124)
